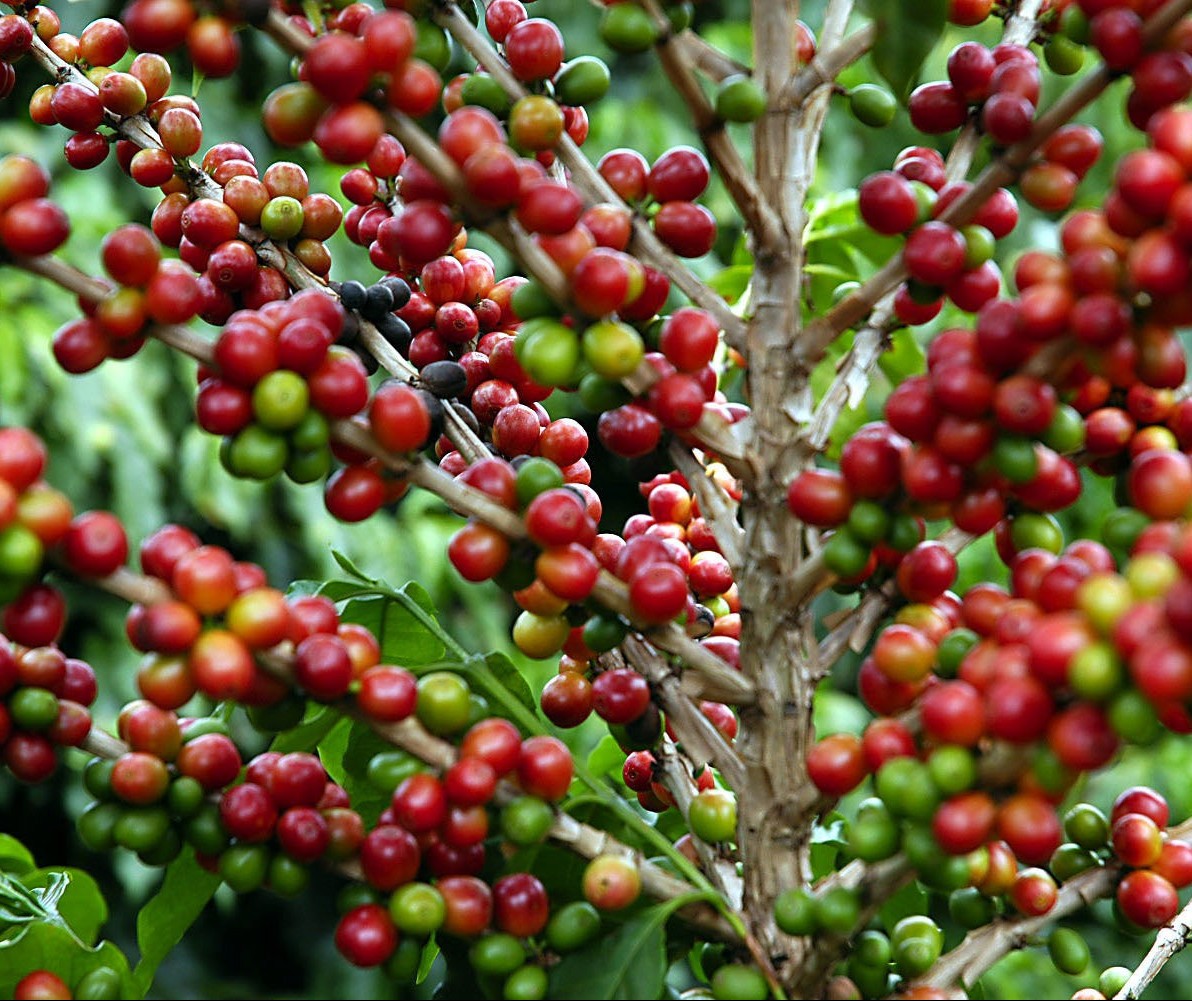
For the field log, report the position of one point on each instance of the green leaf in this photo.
(340, 590)
(826, 841)
(350, 568)
(731, 283)
(304, 588)
(607, 758)
(74, 895)
(906, 33)
(561, 871)
(57, 914)
(14, 856)
(904, 358)
(307, 734)
(360, 744)
(166, 917)
(838, 712)
(404, 637)
(333, 747)
(629, 963)
(847, 423)
(430, 952)
(494, 674)
(911, 899)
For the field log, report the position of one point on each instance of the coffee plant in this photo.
(884, 448)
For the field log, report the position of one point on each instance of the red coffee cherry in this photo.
(836, 764)
(366, 935)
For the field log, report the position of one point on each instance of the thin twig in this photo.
(714, 680)
(1171, 939)
(707, 58)
(717, 508)
(852, 377)
(811, 577)
(702, 742)
(674, 771)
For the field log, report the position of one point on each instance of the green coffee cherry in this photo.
(625, 27)
(1068, 950)
(872, 105)
(739, 99)
(582, 81)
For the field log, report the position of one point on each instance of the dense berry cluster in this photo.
(38, 527)
(46, 699)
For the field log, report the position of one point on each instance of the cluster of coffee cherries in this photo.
(208, 35)
(362, 50)
(37, 526)
(421, 864)
(534, 50)
(987, 883)
(30, 222)
(33, 517)
(101, 96)
(941, 259)
(278, 378)
(1008, 97)
(1021, 476)
(179, 781)
(1025, 689)
(1002, 82)
(16, 39)
(993, 442)
(1135, 834)
(221, 615)
(45, 696)
(1159, 77)
(673, 182)
(147, 290)
(161, 791)
(658, 558)
(669, 548)
(208, 232)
